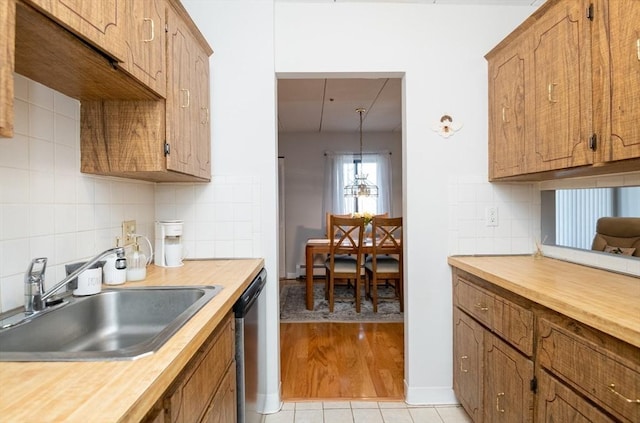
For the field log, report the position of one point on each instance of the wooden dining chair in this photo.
(328, 216)
(345, 256)
(385, 262)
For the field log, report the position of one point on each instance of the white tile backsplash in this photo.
(47, 207)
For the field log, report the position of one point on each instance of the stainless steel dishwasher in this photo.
(246, 314)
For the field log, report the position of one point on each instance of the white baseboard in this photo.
(430, 396)
(301, 270)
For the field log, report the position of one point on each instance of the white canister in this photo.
(89, 282)
(111, 275)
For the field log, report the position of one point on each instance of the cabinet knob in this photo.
(152, 27)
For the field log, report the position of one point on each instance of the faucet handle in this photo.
(34, 285)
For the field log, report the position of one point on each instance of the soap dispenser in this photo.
(136, 263)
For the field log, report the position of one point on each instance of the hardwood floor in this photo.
(342, 361)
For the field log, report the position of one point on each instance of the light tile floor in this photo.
(365, 412)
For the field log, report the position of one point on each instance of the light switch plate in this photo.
(128, 229)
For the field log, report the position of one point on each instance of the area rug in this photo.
(293, 308)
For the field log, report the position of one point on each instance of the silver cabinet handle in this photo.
(153, 30)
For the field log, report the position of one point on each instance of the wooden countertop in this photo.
(123, 390)
(603, 300)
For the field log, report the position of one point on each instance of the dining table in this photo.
(316, 246)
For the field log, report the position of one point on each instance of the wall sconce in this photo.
(445, 128)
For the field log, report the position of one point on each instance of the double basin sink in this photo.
(116, 324)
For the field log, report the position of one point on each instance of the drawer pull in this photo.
(612, 388)
(152, 30)
(498, 408)
(481, 307)
(187, 97)
(638, 48)
(550, 89)
(504, 114)
(463, 370)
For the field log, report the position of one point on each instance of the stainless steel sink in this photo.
(116, 324)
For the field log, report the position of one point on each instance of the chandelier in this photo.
(360, 186)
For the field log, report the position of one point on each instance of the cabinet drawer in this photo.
(609, 379)
(475, 301)
(511, 321)
(557, 403)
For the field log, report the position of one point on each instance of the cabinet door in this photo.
(617, 51)
(7, 22)
(468, 353)
(507, 112)
(145, 43)
(560, 74)
(557, 403)
(101, 23)
(507, 383)
(201, 123)
(223, 407)
(180, 96)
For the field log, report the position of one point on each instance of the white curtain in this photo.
(334, 182)
(577, 211)
(383, 164)
(335, 179)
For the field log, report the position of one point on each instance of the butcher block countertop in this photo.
(123, 390)
(603, 300)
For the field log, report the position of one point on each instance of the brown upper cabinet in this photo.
(563, 92)
(140, 69)
(161, 141)
(7, 17)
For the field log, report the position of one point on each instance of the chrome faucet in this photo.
(35, 296)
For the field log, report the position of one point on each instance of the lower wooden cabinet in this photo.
(556, 370)
(508, 395)
(468, 366)
(557, 403)
(206, 389)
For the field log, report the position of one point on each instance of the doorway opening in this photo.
(316, 116)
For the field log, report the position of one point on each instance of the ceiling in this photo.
(328, 105)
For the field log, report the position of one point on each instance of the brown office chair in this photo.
(618, 235)
(345, 255)
(385, 262)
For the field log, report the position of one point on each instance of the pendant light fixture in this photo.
(360, 187)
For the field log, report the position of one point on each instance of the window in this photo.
(340, 170)
(361, 204)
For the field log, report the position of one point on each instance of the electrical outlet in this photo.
(491, 216)
(128, 229)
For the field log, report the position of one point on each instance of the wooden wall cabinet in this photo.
(145, 43)
(160, 141)
(563, 92)
(570, 373)
(100, 23)
(206, 389)
(7, 23)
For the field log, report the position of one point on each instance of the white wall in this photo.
(304, 164)
(439, 50)
(47, 207)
